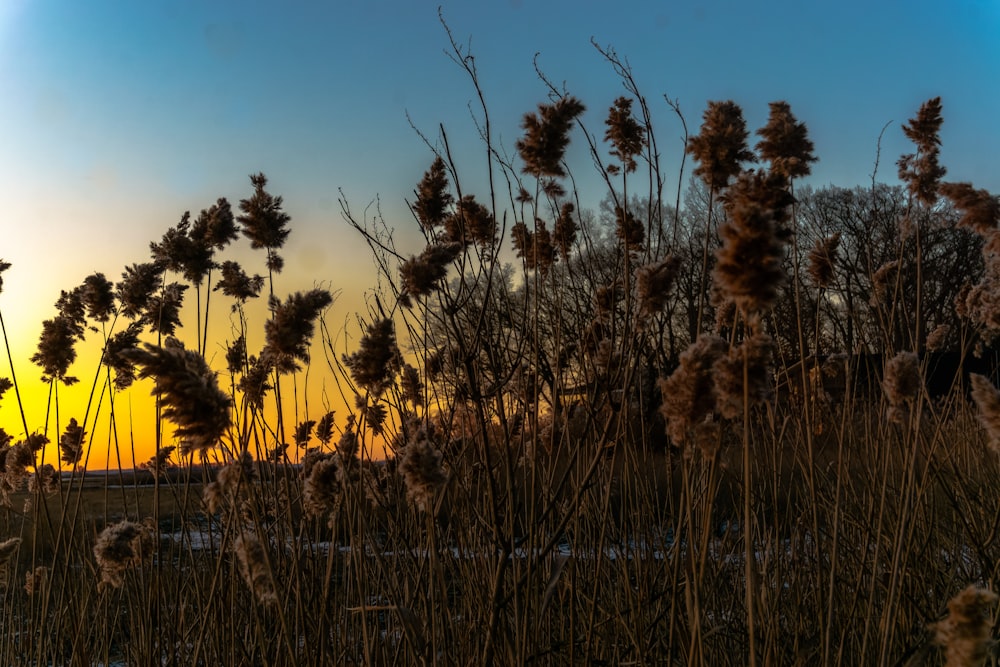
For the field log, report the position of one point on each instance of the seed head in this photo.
(420, 466)
(189, 392)
(237, 284)
(981, 210)
(721, 146)
(785, 143)
(290, 329)
(624, 133)
(263, 220)
(120, 546)
(921, 171)
(653, 283)
(902, 383)
(823, 260)
(748, 269)
(138, 283)
(687, 395)
(375, 364)
(433, 199)
(546, 136)
(987, 399)
(965, 632)
(254, 568)
(758, 351)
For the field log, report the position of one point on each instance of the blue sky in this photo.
(119, 115)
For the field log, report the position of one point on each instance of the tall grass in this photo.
(627, 441)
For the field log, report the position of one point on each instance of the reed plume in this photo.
(189, 392)
(322, 488)
(216, 226)
(115, 357)
(375, 364)
(71, 443)
(965, 631)
(137, 285)
(748, 269)
(757, 351)
(46, 480)
(159, 463)
(823, 260)
(120, 546)
(420, 275)
(303, 432)
(432, 198)
(564, 230)
(35, 580)
(324, 428)
(254, 569)
(625, 134)
(687, 394)
(921, 171)
(237, 284)
(290, 329)
(785, 143)
(263, 221)
(98, 295)
(255, 382)
(471, 222)
(56, 350)
(629, 228)
(420, 466)
(546, 136)
(902, 383)
(8, 549)
(883, 278)
(937, 339)
(987, 400)
(163, 309)
(653, 284)
(411, 388)
(980, 209)
(227, 483)
(184, 251)
(721, 146)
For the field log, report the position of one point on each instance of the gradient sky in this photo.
(116, 116)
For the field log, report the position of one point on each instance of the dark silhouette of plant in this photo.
(263, 221)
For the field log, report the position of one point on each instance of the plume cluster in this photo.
(823, 260)
(748, 269)
(987, 400)
(374, 365)
(921, 171)
(120, 546)
(546, 136)
(420, 465)
(264, 221)
(625, 134)
(290, 329)
(965, 631)
(71, 443)
(785, 143)
(254, 568)
(653, 284)
(189, 392)
(688, 395)
(721, 146)
(902, 383)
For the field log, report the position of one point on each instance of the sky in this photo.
(117, 116)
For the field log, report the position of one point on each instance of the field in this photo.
(755, 427)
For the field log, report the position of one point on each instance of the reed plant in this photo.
(638, 434)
